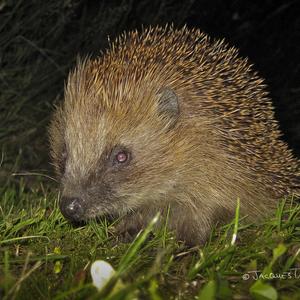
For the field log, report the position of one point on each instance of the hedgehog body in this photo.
(169, 120)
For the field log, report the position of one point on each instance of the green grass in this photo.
(42, 256)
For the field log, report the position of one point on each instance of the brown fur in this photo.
(223, 144)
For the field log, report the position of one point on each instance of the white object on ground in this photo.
(101, 272)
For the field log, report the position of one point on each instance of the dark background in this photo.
(39, 42)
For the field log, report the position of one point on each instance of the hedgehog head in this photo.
(107, 134)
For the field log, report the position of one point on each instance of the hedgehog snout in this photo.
(72, 208)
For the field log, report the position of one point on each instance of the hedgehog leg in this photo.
(129, 226)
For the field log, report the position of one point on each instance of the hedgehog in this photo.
(172, 121)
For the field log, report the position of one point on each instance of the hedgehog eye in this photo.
(121, 157)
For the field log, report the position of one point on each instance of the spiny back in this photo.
(220, 86)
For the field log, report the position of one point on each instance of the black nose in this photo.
(72, 208)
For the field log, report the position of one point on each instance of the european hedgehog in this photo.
(169, 120)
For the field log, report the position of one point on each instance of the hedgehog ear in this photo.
(168, 106)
